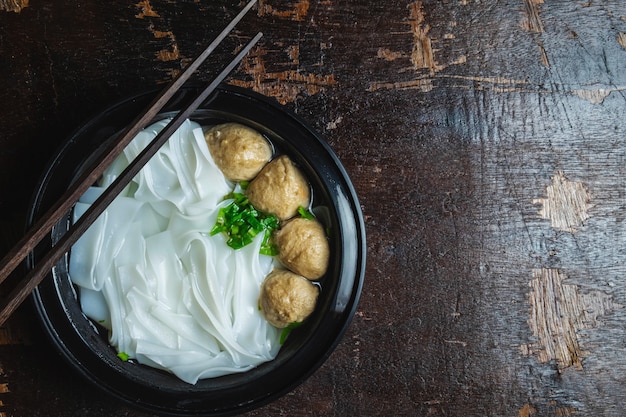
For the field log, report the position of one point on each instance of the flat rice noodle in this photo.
(173, 296)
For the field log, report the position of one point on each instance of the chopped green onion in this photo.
(287, 330)
(305, 214)
(123, 356)
(267, 247)
(241, 223)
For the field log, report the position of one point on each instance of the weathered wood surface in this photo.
(487, 143)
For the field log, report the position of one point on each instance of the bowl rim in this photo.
(228, 102)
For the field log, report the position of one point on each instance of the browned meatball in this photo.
(303, 247)
(239, 151)
(287, 298)
(279, 189)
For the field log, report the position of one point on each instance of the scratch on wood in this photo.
(298, 13)
(13, 5)
(285, 86)
(566, 205)
(425, 83)
(621, 39)
(544, 56)
(422, 84)
(558, 312)
(533, 21)
(526, 411)
(489, 80)
(457, 342)
(146, 10)
(422, 56)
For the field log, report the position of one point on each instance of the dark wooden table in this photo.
(486, 141)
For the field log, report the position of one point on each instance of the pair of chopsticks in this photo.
(43, 227)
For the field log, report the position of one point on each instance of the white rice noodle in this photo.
(172, 296)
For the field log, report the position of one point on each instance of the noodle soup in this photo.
(84, 344)
(171, 294)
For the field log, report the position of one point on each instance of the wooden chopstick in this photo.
(26, 285)
(41, 228)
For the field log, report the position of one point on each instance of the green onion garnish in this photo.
(123, 356)
(305, 214)
(285, 333)
(241, 223)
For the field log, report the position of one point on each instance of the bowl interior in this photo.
(85, 345)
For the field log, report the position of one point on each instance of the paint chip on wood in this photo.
(298, 13)
(165, 55)
(388, 54)
(422, 55)
(285, 86)
(558, 312)
(4, 389)
(526, 411)
(565, 411)
(146, 10)
(593, 96)
(333, 124)
(168, 55)
(566, 205)
(13, 5)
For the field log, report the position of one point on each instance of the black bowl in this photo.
(85, 346)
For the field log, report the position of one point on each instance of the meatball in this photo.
(279, 189)
(303, 247)
(287, 298)
(239, 152)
